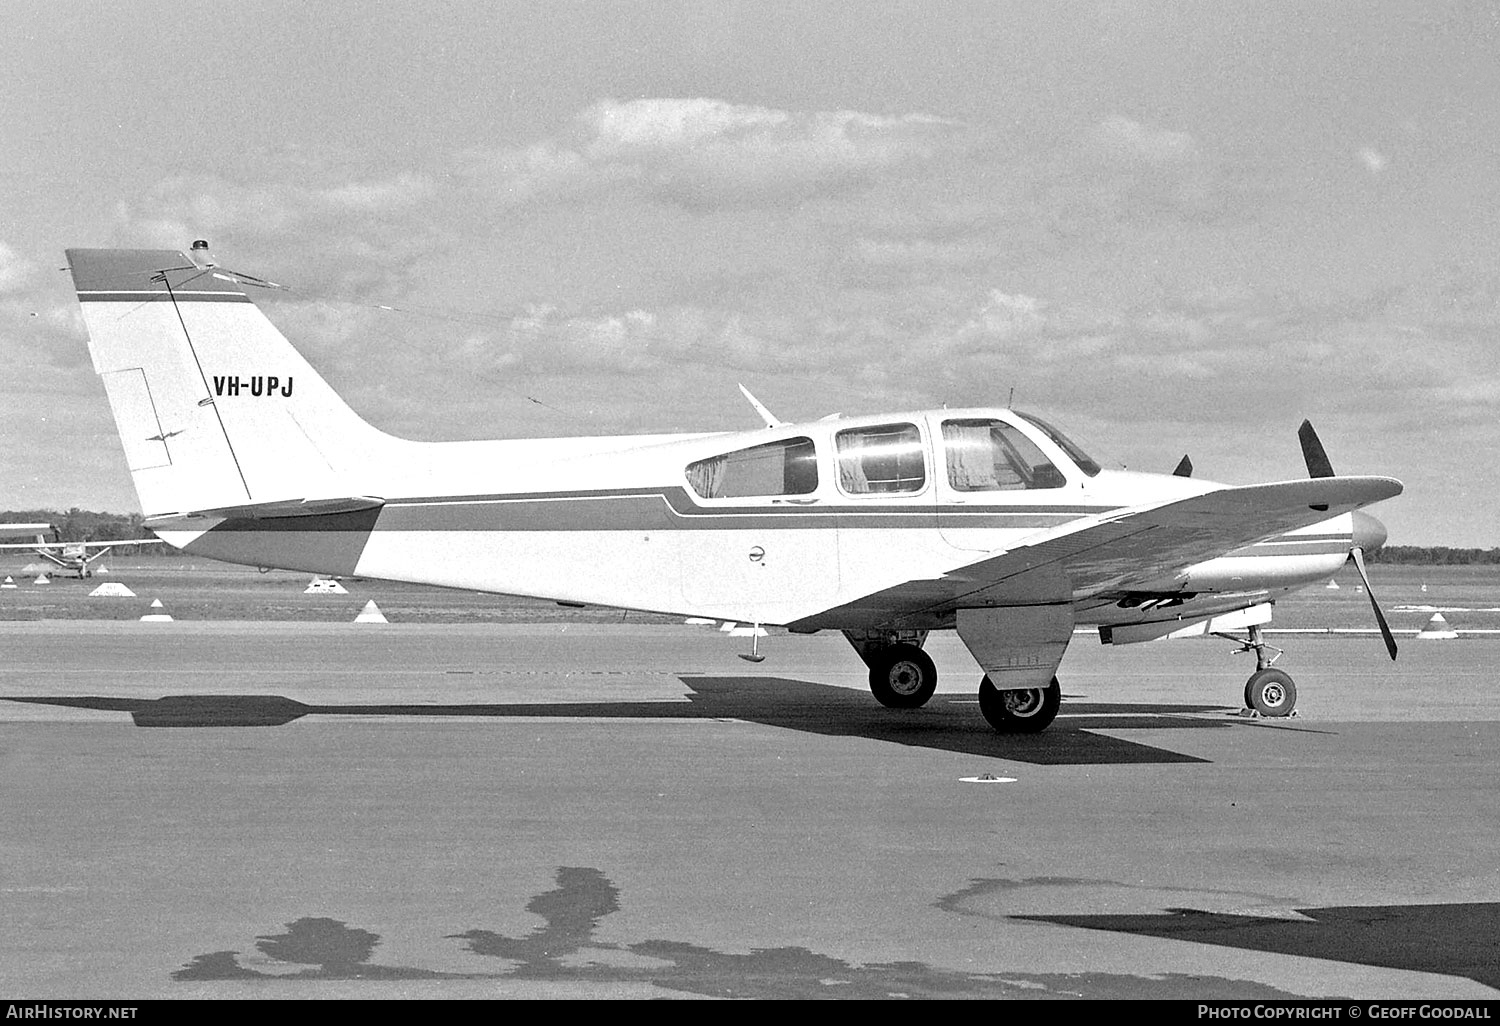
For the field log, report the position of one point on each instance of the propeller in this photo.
(1312, 452)
(1358, 555)
(1367, 530)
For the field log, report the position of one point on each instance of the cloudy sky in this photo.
(1169, 227)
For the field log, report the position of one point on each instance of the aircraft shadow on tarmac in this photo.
(1460, 939)
(946, 724)
(565, 949)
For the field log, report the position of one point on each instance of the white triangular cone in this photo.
(10, 582)
(1333, 585)
(371, 614)
(325, 586)
(1437, 629)
(113, 589)
(102, 570)
(158, 617)
(41, 580)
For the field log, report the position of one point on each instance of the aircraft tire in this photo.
(902, 677)
(1271, 692)
(1019, 712)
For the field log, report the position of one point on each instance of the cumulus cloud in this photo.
(650, 343)
(912, 282)
(702, 152)
(1120, 138)
(916, 255)
(1126, 170)
(1005, 316)
(355, 236)
(39, 321)
(1373, 160)
(14, 270)
(223, 204)
(399, 192)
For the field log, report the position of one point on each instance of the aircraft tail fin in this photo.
(214, 406)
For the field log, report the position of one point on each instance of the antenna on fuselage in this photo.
(765, 414)
(1011, 401)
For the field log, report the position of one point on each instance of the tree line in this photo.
(1433, 555)
(78, 525)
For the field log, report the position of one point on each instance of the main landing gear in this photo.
(1019, 712)
(902, 676)
(1269, 691)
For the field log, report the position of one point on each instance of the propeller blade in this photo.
(1358, 555)
(1312, 452)
(1184, 468)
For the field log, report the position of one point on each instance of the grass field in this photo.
(200, 589)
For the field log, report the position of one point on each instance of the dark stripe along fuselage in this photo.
(334, 542)
(668, 508)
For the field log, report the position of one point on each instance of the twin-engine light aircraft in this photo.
(75, 557)
(988, 521)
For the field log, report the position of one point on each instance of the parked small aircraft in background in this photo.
(987, 521)
(74, 557)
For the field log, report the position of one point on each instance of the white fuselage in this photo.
(621, 522)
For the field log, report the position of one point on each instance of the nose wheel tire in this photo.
(902, 677)
(1271, 692)
(1019, 712)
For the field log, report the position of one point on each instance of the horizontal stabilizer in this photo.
(293, 508)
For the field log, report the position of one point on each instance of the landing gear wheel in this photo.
(902, 677)
(1019, 712)
(1271, 692)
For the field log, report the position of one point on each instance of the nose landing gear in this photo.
(1271, 692)
(1268, 692)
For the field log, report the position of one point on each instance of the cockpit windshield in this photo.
(1063, 442)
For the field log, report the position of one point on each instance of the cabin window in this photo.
(882, 459)
(1085, 462)
(787, 467)
(991, 455)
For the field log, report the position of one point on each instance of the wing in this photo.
(1113, 550)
